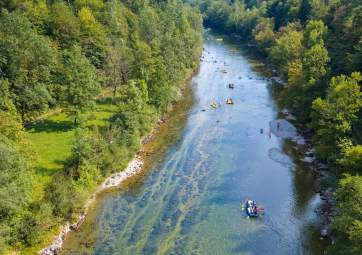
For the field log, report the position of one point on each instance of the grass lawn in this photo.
(52, 138)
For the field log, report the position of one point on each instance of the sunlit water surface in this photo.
(190, 202)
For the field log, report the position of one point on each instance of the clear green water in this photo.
(190, 202)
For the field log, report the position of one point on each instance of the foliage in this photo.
(27, 62)
(80, 83)
(263, 33)
(55, 56)
(288, 47)
(351, 159)
(334, 116)
(349, 223)
(316, 46)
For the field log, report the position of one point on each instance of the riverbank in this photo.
(300, 135)
(327, 209)
(113, 181)
(152, 148)
(189, 202)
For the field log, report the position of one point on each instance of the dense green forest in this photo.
(81, 82)
(316, 47)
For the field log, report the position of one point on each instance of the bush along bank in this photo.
(62, 55)
(134, 167)
(315, 48)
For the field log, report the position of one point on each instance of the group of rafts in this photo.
(227, 101)
(250, 207)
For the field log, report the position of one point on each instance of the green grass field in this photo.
(52, 139)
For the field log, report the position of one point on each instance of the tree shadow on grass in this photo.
(50, 171)
(104, 101)
(50, 126)
(45, 171)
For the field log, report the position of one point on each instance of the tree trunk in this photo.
(114, 93)
(114, 85)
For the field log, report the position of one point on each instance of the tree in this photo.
(64, 25)
(80, 83)
(93, 37)
(304, 11)
(134, 115)
(15, 190)
(37, 12)
(263, 33)
(83, 163)
(351, 159)
(315, 61)
(287, 48)
(117, 67)
(27, 61)
(314, 33)
(348, 223)
(333, 117)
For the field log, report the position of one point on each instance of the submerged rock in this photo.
(278, 156)
(308, 159)
(283, 129)
(324, 232)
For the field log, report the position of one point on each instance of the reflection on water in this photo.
(190, 202)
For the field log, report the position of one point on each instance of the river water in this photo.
(189, 203)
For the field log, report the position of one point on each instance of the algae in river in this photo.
(189, 203)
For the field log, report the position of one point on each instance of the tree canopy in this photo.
(63, 56)
(316, 48)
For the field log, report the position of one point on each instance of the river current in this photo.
(189, 203)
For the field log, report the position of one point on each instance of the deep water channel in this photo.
(189, 202)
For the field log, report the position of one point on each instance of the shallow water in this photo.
(189, 203)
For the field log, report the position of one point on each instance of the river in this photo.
(189, 202)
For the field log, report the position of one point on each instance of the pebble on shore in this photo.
(133, 168)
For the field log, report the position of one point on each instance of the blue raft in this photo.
(251, 209)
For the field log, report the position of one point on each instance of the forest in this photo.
(316, 47)
(81, 83)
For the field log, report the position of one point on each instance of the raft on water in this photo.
(214, 105)
(251, 209)
(229, 101)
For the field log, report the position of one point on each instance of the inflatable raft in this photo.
(251, 209)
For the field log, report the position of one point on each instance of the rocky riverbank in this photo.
(133, 168)
(284, 129)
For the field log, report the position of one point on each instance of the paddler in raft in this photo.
(252, 210)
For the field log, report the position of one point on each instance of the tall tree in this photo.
(348, 223)
(79, 81)
(118, 67)
(27, 61)
(334, 116)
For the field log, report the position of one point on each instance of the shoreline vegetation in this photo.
(153, 149)
(113, 68)
(314, 46)
(136, 166)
